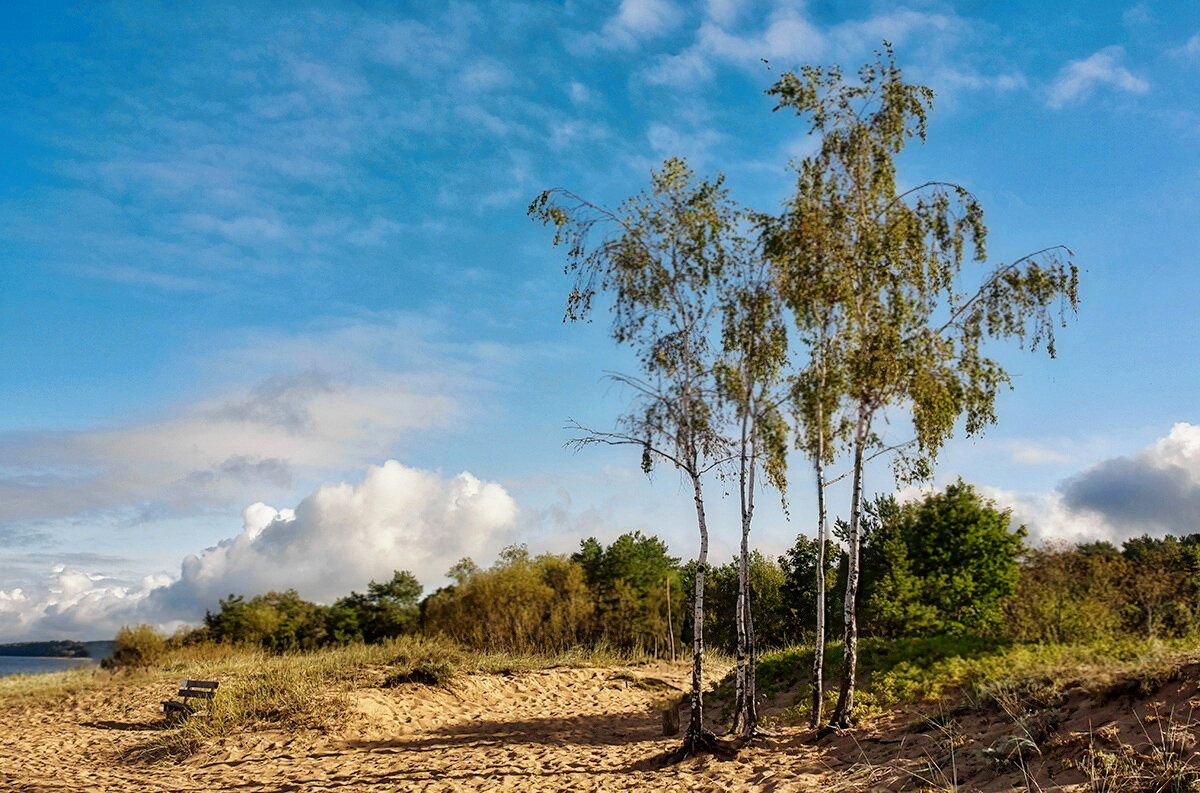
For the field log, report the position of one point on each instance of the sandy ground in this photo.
(550, 730)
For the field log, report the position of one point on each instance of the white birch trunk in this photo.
(845, 704)
(695, 734)
(818, 672)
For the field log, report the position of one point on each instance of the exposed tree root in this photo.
(702, 742)
(759, 731)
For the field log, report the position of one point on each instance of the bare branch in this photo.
(593, 437)
(882, 451)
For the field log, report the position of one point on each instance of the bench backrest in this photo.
(197, 689)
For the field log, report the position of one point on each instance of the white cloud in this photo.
(668, 141)
(1031, 453)
(1048, 518)
(1155, 491)
(216, 450)
(69, 603)
(948, 79)
(283, 409)
(788, 38)
(343, 535)
(1137, 15)
(484, 75)
(1189, 49)
(1079, 79)
(723, 12)
(579, 93)
(337, 539)
(639, 19)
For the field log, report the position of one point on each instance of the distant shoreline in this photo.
(58, 648)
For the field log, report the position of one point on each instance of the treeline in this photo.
(63, 648)
(949, 563)
(1148, 586)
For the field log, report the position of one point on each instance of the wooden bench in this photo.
(189, 690)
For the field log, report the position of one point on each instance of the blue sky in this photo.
(250, 251)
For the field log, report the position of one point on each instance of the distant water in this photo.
(24, 665)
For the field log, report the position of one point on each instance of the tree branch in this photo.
(882, 451)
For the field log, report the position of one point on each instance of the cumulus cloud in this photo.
(335, 540)
(1079, 79)
(1048, 518)
(70, 603)
(1154, 491)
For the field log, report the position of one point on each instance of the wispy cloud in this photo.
(634, 22)
(1033, 453)
(1080, 79)
(788, 37)
(288, 407)
(1189, 49)
(268, 146)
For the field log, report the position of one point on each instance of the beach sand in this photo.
(562, 729)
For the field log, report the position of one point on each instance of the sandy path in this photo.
(550, 730)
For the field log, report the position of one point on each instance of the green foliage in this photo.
(630, 581)
(773, 625)
(283, 621)
(387, 610)
(944, 564)
(871, 272)
(277, 621)
(1068, 595)
(520, 604)
(799, 565)
(139, 646)
(1094, 591)
(871, 275)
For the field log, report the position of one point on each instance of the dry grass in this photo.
(290, 692)
(1161, 764)
(49, 686)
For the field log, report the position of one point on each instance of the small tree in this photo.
(388, 609)
(659, 259)
(755, 345)
(796, 247)
(943, 564)
(891, 261)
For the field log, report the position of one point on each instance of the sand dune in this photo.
(552, 730)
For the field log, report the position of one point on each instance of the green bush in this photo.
(139, 646)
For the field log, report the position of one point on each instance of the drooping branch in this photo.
(991, 280)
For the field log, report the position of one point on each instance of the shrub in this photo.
(139, 646)
(427, 672)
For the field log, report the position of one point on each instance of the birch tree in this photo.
(799, 246)
(755, 345)
(657, 260)
(908, 338)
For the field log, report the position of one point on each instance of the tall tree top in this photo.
(872, 273)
